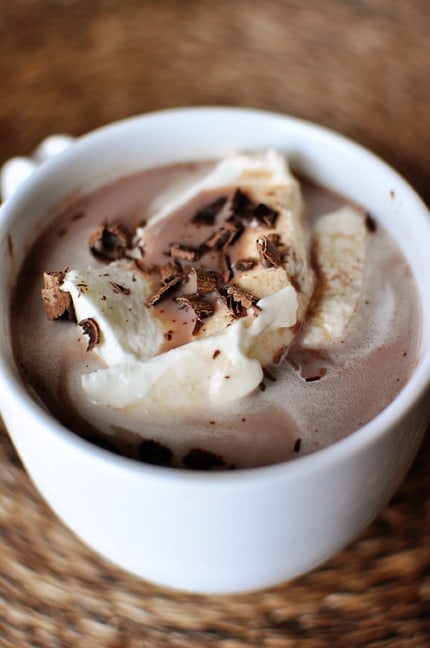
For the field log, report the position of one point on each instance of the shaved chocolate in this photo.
(201, 307)
(270, 254)
(110, 242)
(315, 377)
(237, 299)
(245, 208)
(184, 252)
(118, 288)
(266, 215)
(225, 236)
(91, 329)
(242, 205)
(268, 375)
(207, 214)
(243, 265)
(154, 452)
(198, 459)
(297, 444)
(171, 272)
(370, 223)
(171, 275)
(57, 302)
(206, 280)
(225, 267)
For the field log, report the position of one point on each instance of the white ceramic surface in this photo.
(229, 531)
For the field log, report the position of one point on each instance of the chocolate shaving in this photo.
(184, 252)
(206, 280)
(269, 252)
(119, 289)
(245, 208)
(198, 459)
(237, 299)
(171, 272)
(201, 307)
(171, 275)
(110, 242)
(242, 205)
(266, 215)
(297, 444)
(225, 267)
(207, 214)
(57, 302)
(243, 265)
(225, 236)
(91, 329)
(370, 223)
(322, 372)
(154, 452)
(269, 375)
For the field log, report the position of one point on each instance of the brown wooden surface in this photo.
(361, 67)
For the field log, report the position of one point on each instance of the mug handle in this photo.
(17, 169)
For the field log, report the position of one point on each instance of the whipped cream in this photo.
(224, 362)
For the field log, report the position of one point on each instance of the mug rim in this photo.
(414, 389)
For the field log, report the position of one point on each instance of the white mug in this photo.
(228, 531)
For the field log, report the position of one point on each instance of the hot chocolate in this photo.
(317, 394)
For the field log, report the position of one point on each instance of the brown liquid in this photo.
(292, 416)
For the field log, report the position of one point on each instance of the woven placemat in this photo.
(56, 592)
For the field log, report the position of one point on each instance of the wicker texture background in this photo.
(361, 67)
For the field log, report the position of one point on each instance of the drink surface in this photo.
(310, 400)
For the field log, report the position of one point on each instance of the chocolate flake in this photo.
(91, 328)
(154, 452)
(225, 267)
(171, 275)
(270, 254)
(171, 272)
(266, 215)
(184, 252)
(237, 299)
(297, 444)
(242, 205)
(269, 375)
(198, 459)
(216, 353)
(206, 280)
(370, 223)
(201, 307)
(207, 214)
(313, 378)
(225, 236)
(246, 298)
(119, 289)
(110, 242)
(57, 302)
(245, 208)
